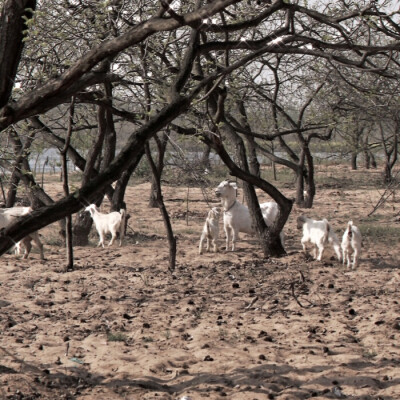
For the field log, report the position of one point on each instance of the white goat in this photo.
(211, 230)
(11, 215)
(351, 243)
(318, 233)
(108, 223)
(237, 216)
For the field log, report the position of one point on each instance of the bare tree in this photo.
(246, 31)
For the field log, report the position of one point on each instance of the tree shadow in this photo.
(270, 380)
(267, 379)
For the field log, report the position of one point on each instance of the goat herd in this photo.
(236, 218)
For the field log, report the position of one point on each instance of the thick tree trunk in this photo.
(387, 173)
(21, 150)
(300, 198)
(13, 28)
(161, 146)
(83, 223)
(153, 203)
(269, 236)
(354, 161)
(254, 165)
(68, 218)
(367, 159)
(117, 201)
(373, 160)
(309, 198)
(161, 205)
(305, 185)
(81, 229)
(12, 189)
(205, 158)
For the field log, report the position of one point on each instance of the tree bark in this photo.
(13, 30)
(269, 236)
(83, 222)
(155, 182)
(254, 165)
(129, 157)
(161, 205)
(205, 158)
(309, 199)
(68, 218)
(354, 161)
(21, 150)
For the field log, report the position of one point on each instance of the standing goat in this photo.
(318, 233)
(237, 216)
(11, 215)
(211, 230)
(351, 243)
(108, 223)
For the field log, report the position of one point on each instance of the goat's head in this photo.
(300, 221)
(215, 212)
(91, 208)
(226, 189)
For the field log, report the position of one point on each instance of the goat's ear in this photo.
(233, 184)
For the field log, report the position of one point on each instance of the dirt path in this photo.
(227, 325)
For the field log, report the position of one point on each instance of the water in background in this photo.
(49, 161)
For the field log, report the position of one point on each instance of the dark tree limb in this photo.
(13, 29)
(68, 218)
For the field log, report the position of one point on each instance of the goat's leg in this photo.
(101, 241)
(234, 238)
(122, 231)
(201, 244)
(208, 244)
(320, 252)
(348, 258)
(215, 245)
(336, 247)
(28, 247)
(228, 237)
(17, 248)
(36, 239)
(303, 244)
(355, 258)
(113, 236)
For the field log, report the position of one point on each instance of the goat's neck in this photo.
(228, 204)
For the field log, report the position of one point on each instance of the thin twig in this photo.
(297, 300)
(252, 303)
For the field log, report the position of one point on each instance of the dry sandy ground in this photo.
(226, 325)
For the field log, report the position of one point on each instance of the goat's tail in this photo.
(122, 211)
(350, 229)
(327, 231)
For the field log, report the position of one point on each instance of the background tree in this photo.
(234, 34)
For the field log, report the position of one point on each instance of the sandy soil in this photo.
(226, 325)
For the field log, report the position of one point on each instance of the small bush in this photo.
(117, 337)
